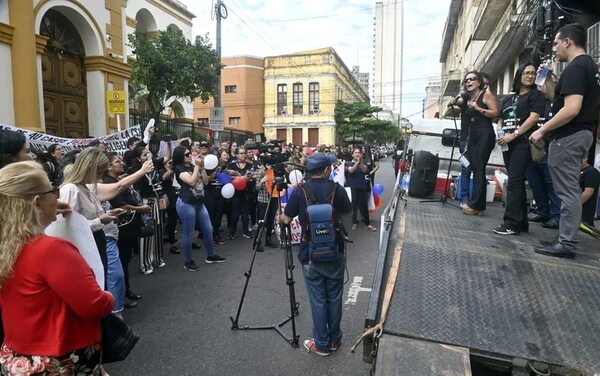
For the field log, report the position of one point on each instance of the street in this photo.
(183, 317)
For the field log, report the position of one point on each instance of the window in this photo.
(203, 121)
(230, 89)
(313, 98)
(297, 98)
(281, 99)
(234, 120)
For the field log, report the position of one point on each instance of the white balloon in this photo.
(228, 190)
(295, 177)
(210, 162)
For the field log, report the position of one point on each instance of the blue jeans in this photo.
(115, 282)
(540, 181)
(325, 285)
(192, 215)
(465, 176)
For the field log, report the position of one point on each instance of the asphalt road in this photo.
(183, 317)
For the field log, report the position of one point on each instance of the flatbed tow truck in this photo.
(450, 297)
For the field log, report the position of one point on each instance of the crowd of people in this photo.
(133, 203)
(547, 134)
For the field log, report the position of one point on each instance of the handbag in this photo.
(118, 339)
(538, 152)
(163, 203)
(147, 228)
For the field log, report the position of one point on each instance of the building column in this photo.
(26, 95)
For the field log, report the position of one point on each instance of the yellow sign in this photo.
(116, 102)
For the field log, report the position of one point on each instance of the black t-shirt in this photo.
(464, 122)
(357, 179)
(242, 171)
(589, 178)
(319, 188)
(580, 77)
(128, 197)
(188, 194)
(517, 108)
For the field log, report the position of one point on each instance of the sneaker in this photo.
(254, 227)
(147, 271)
(247, 235)
(214, 258)
(174, 250)
(161, 263)
(218, 240)
(503, 230)
(231, 236)
(335, 345)
(191, 266)
(311, 346)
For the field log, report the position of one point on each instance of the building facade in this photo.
(361, 77)
(58, 58)
(495, 37)
(430, 103)
(242, 94)
(387, 70)
(301, 91)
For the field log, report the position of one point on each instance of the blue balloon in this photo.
(377, 189)
(223, 178)
(288, 194)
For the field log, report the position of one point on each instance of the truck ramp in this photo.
(462, 285)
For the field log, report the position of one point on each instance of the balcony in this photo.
(488, 14)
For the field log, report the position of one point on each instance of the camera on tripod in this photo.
(270, 155)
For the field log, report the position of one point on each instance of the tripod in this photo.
(444, 196)
(286, 246)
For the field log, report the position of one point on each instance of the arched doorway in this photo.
(63, 75)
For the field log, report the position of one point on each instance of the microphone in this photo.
(458, 96)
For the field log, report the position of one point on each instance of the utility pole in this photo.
(220, 12)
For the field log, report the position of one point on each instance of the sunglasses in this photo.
(187, 154)
(55, 191)
(469, 79)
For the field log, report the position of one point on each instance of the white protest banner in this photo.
(294, 226)
(76, 229)
(38, 141)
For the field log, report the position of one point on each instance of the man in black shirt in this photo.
(575, 115)
(589, 180)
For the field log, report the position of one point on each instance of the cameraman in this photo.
(324, 280)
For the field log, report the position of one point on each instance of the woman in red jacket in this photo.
(51, 303)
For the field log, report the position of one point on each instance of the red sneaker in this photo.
(335, 345)
(311, 346)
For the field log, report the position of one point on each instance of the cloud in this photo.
(265, 28)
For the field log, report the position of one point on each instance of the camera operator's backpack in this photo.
(321, 232)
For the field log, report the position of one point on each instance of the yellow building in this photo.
(301, 91)
(58, 58)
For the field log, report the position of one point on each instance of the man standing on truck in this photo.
(575, 109)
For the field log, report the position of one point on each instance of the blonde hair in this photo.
(86, 167)
(19, 183)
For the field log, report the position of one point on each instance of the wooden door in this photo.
(313, 136)
(63, 75)
(297, 136)
(282, 135)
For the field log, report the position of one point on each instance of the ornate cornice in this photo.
(41, 41)
(109, 65)
(6, 33)
(167, 9)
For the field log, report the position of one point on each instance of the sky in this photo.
(275, 27)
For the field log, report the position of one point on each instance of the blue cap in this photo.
(318, 161)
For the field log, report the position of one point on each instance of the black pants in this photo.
(215, 204)
(239, 208)
(127, 243)
(516, 160)
(100, 240)
(360, 202)
(479, 148)
(270, 218)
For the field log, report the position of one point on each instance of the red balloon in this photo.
(239, 183)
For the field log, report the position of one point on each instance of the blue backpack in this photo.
(320, 232)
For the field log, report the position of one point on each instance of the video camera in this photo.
(270, 155)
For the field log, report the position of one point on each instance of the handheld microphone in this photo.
(458, 96)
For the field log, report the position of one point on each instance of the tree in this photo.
(169, 65)
(356, 120)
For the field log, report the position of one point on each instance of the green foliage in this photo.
(357, 120)
(169, 65)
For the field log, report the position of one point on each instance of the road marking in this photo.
(355, 289)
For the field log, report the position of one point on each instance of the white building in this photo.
(361, 77)
(387, 86)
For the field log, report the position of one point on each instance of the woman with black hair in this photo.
(53, 165)
(481, 109)
(520, 112)
(190, 205)
(13, 147)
